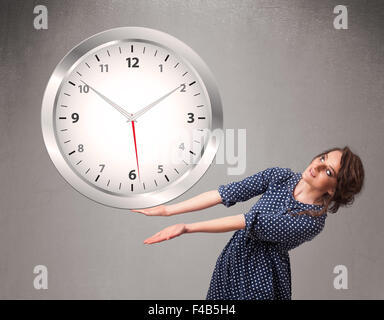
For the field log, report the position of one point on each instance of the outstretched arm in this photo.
(228, 194)
(199, 202)
(225, 224)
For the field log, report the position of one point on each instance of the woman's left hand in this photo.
(167, 233)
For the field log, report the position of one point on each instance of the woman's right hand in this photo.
(154, 211)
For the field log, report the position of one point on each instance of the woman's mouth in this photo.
(312, 173)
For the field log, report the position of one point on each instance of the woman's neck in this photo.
(304, 193)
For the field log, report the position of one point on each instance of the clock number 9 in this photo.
(135, 63)
(191, 117)
(132, 175)
(75, 117)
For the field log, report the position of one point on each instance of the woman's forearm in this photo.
(225, 224)
(199, 202)
(216, 225)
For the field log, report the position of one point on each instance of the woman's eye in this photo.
(322, 158)
(329, 173)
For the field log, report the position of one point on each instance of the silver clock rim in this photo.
(66, 65)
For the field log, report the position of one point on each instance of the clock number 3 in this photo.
(191, 117)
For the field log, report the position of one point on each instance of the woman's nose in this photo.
(319, 166)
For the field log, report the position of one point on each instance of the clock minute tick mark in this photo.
(155, 53)
(97, 58)
(176, 170)
(108, 182)
(67, 94)
(132, 48)
(72, 83)
(166, 177)
(87, 170)
(166, 58)
(79, 73)
(97, 178)
(67, 141)
(72, 152)
(184, 73)
(120, 49)
(155, 182)
(88, 65)
(200, 106)
(196, 94)
(108, 53)
(192, 83)
(62, 118)
(144, 50)
(176, 65)
(79, 162)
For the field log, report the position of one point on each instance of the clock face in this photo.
(128, 117)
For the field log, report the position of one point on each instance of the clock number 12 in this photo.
(133, 62)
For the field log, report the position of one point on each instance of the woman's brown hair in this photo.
(350, 180)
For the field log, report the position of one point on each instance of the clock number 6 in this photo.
(132, 175)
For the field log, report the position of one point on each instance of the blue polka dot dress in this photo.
(254, 264)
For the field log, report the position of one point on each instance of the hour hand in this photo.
(110, 102)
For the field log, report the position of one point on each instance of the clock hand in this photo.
(134, 139)
(145, 109)
(110, 102)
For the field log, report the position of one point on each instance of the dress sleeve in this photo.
(286, 228)
(251, 186)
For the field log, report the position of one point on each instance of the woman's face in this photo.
(322, 172)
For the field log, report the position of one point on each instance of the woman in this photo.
(255, 262)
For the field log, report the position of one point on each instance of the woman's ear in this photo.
(331, 191)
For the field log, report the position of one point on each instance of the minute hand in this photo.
(145, 109)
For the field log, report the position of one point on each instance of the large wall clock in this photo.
(128, 117)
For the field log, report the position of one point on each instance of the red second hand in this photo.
(134, 138)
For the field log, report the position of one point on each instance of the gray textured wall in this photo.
(285, 74)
